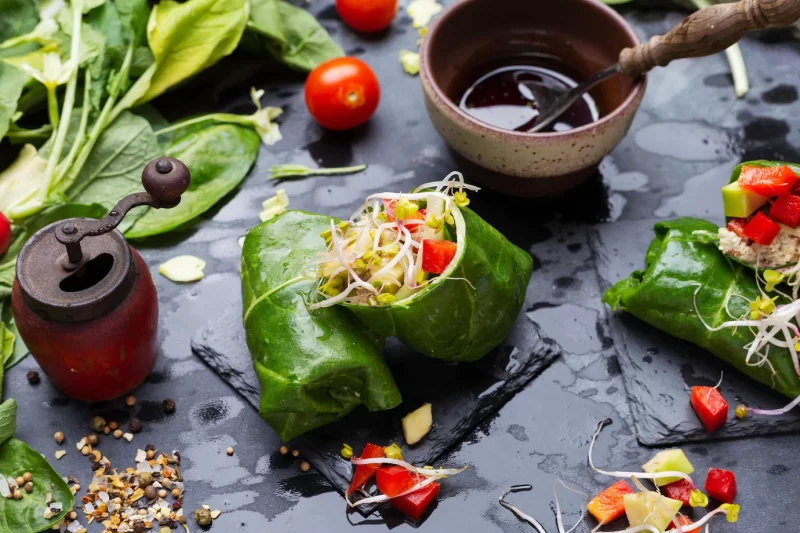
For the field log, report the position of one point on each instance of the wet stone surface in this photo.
(543, 432)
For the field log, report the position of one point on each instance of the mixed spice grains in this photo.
(136, 499)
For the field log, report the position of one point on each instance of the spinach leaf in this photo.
(265, 18)
(314, 368)
(454, 319)
(12, 81)
(8, 416)
(133, 15)
(683, 265)
(189, 37)
(22, 179)
(18, 18)
(114, 167)
(7, 274)
(295, 37)
(219, 158)
(27, 514)
(18, 350)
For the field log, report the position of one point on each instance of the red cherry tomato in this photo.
(5, 234)
(367, 15)
(342, 93)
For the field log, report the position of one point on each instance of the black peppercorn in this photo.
(135, 425)
(169, 406)
(139, 527)
(33, 377)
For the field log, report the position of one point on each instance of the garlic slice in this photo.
(183, 269)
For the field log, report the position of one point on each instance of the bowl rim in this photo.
(635, 95)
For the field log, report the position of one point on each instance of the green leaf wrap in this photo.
(460, 320)
(682, 260)
(313, 368)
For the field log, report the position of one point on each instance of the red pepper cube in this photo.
(786, 210)
(436, 255)
(394, 480)
(736, 225)
(609, 505)
(365, 472)
(761, 229)
(682, 520)
(710, 406)
(415, 504)
(767, 181)
(721, 485)
(679, 490)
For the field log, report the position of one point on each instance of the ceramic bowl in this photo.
(585, 34)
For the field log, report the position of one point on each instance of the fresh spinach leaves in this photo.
(290, 34)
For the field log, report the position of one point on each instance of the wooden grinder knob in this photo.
(166, 179)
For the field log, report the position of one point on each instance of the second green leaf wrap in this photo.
(683, 260)
(313, 367)
(471, 307)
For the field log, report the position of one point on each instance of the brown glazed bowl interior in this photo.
(585, 34)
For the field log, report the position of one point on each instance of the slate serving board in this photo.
(659, 370)
(462, 395)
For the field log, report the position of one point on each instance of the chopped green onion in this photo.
(294, 171)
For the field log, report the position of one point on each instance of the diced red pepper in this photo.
(436, 255)
(736, 225)
(365, 472)
(767, 181)
(5, 234)
(678, 490)
(414, 505)
(761, 229)
(394, 480)
(710, 406)
(721, 485)
(388, 209)
(609, 504)
(786, 210)
(682, 520)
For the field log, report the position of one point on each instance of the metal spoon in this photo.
(706, 32)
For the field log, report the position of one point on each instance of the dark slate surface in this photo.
(461, 395)
(688, 134)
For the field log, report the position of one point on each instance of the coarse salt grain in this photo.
(128, 436)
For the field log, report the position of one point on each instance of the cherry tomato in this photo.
(342, 93)
(367, 15)
(5, 234)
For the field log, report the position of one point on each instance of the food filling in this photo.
(763, 205)
(393, 246)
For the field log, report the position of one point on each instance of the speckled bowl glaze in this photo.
(585, 34)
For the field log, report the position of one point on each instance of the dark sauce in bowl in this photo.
(498, 94)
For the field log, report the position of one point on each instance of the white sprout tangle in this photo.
(368, 232)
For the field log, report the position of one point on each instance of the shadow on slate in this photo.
(462, 395)
(659, 370)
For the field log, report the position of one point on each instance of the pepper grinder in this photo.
(84, 301)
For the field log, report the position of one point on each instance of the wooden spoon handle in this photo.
(709, 31)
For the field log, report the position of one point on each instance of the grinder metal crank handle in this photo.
(165, 179)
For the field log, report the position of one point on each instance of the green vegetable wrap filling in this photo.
(686, 281)
(314, 368)
(471, 307)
